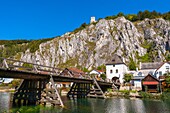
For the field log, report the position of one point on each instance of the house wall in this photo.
(117, 70)
(137, 84)
(162, 70)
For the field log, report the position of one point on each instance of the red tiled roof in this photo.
(73, 69)
(99, 70)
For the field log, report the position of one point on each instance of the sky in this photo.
(37, 19)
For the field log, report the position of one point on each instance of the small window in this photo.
(111, 71)
(167, 67)
(160, 73)
(140, 74)
(113, 65)
(116, 70)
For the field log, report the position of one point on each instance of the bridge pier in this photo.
(79, 90)
(29, 92)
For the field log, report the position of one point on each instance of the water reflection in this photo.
(4, 102)
(93, 105)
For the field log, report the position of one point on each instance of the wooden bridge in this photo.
(39, 83)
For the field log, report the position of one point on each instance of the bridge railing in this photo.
(36, 68)
(26, 66)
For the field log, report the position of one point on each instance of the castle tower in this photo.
(92, 19)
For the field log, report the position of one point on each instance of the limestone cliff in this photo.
(98, 42)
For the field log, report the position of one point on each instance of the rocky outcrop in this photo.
(98, 42)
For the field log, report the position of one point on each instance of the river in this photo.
(92, 105)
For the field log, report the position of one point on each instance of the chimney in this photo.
(140, 65)
(123, 59)
(136, 69)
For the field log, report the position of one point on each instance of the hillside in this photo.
(93, 45)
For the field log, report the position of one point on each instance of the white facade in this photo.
(165, 68)
(137, 84)
(116, 70)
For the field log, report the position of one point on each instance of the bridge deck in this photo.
(10, 68)
(20, 74)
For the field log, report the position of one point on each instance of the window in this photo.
(160, 73)
(116, 70)
(167, 67)
(140, 74)
(111, 71)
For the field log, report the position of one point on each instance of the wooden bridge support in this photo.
(79, 90)
(29, 92)
(50, 95)
(96, 91)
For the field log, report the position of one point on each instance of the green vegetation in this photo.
(12, 47)
(167, 57)
(146, 95)
(142, 15)
(34, 45)
(151, 53)
(80, 28)
(163, 96)
(132, 64)
(85, 70)
(127, 77)
(101, 67)
(103, 76)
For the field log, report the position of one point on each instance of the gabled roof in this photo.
(151, 65)
(72, 72)
(73, 69)
(150, 78)
(116, 60)
(161, 66)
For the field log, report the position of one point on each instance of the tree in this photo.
(127, 77)
(132, 64)
(120, 14)
(103, 76)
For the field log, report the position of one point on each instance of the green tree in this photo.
(103, 76)
(127, 77)
(132, 64)
(120, 14)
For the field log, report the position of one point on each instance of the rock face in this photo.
(98, 42)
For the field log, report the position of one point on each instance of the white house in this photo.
(155, 69)
(96, 72)
(164, 68)
(116, 68)
(149, 68)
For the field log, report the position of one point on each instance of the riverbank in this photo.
(135, 94)
(6, 89)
